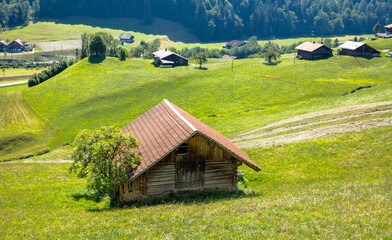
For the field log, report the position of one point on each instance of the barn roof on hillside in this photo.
(163, 128)
(235, 43)
(163, 53)
(4, 43)
(126, 36)
(351, 45)
(310, 46)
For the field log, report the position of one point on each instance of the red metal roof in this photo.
(310, 46)
(166, 126)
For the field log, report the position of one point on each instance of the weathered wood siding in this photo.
(205, 166)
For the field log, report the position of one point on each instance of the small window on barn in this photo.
(182, 149)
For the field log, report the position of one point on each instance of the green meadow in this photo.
(334, 187)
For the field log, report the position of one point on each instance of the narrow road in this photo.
(12, 84)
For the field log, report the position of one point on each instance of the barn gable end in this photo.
(180, 154)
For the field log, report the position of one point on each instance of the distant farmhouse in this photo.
(313, 50)
(126, 37)
(3, 46)
(388, 31)
(167, 59)
(180, 154)
(17, 46)
(358, 49)
(234, 43)
(228, 57)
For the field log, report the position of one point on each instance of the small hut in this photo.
(167, 59)
(180, 154)
(358, 49)
(234, 43)
(313, 50)
(388, 31)
(126, 37)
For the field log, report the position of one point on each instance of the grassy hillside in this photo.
(113, 92)
(333, 188)
(71, 28)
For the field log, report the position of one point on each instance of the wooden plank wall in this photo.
(215, 166)
(160, 178)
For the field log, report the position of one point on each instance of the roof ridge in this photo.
(179, 115)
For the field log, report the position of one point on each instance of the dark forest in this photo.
(218, 19)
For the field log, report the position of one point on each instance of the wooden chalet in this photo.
(17, 46)
(166, 59)
(126, 37)
(313, 50)
(358, 49)
(180, 154)
(388, 31)
(234, 43)
(3, 46)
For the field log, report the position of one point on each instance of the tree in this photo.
(85, 45)
(105, 157)
(97, 46)
(271, 55)
(376, 28)
(123, 54)
(201, 58)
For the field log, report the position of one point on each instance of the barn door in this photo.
(189, 171)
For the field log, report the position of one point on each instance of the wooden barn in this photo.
(126, 37)
(165, 58)
(234, 43)
(17, 46)
(180, 154)
(358, 49)
(388, 31)
(313, 50)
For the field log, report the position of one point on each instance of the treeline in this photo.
(18, 12)
(220, 19)
(227, 19)
(252, 49)
(48, 73)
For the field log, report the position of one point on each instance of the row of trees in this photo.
(226, 19)
(48, 73)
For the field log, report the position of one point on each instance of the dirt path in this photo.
(319, 114)
(270, 132)
(319, 132)
(12, 84)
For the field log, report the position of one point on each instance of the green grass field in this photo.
(334, 187)
(252, 95)
(71, 28)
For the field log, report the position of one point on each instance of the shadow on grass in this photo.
(272, 63)
(191, 198)
(96, 59)
(88, 196)
(201, 68)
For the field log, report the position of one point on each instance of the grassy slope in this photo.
(71, 28)
(331, 188)
(254, 94)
